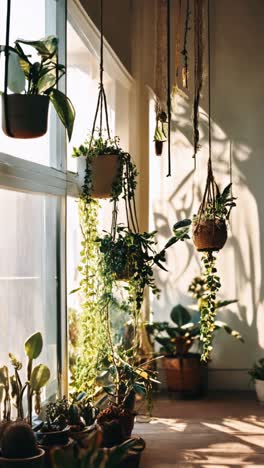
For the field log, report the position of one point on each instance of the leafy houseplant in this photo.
(121, 381)
(107, 170)
(92, 455)
(55, 429)
(132, 256)
(257, 374)
(209, 226)
(185, 372)
(37, 378)
(25, 115)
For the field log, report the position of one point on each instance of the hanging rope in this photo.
(8, 16)
(101, 102)
(211, 186)
(178, 42)
(169, 87)
(184, 52)
(198, 71)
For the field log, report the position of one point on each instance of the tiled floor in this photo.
(224, 430)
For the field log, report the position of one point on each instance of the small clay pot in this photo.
(158, 147)
(33, 462)
(209, 235)
(27, 115)
(105, 168)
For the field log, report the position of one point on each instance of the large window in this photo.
(33, 188)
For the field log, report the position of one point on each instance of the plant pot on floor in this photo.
(27, 115)
(104, 172)
(33, 462)
(209, 235)
(259, 386)
(132, 458)
(116, 424)
(186, 376)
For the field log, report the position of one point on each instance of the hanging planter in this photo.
(25, 113)
(210, 235)
(101, 165)
(209, 226)
(26, 116)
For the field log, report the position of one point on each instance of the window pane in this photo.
(82, 86)
(22, 26)
(28, 276)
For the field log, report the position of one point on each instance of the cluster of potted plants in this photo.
(180, 341)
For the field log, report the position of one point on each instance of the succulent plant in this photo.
(18, 441)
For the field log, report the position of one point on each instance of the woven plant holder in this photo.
(209, 234)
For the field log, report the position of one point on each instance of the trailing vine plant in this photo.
(208, 304)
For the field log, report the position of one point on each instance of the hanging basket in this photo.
(105, 170)
(210, 235)
(25, 116)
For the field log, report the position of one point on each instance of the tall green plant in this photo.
(92, 342)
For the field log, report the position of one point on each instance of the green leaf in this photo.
(221, 304)
(16, 76)
(33, 345)
(180, 315)
(39, 377)
(64, 109)
(46, 47)
(226, 193)
(182, 224)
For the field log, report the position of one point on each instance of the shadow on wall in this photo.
(237, 114)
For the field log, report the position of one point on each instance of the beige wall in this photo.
(237, 112)
(117, 25)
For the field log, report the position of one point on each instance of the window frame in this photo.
(26, 176)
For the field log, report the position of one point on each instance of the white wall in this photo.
(237, 112)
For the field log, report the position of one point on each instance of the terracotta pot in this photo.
(116, 426)
(105, 168)
(49, 449)
(52, 438)
(27, 115)
(187, 376)
(33, 462)
(158, 147)
(210, 235)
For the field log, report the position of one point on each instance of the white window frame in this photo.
(23, 175)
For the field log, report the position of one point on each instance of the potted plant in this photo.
(55, 429)
(92, 454)
(209, 225)
(19, 447)
(121, 381)
(257, 375)
(25, 113)
(186, 374)
(11, 387)
(104, 167)
(131, 256)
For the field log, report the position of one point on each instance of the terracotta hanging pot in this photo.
(209, 235)
(27, 115)
(105, 169)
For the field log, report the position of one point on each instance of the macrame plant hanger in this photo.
(8, 16)
(169, 85)
(198, 72)
(210, 187)
(101, 107)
